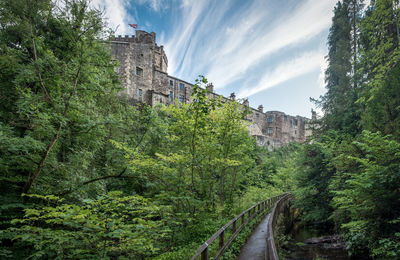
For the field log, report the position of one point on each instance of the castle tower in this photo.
(140, 59)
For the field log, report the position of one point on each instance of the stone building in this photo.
(143, 71)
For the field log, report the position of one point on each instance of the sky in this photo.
(269, 51)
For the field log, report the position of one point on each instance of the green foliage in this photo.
(352, 179)
(313, 179)
(369, 198)
(340, 110)
(112, 180)
(109, 226)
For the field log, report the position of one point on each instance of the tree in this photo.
(379, 64)
(340, 110)
(366, 200)
(61, 77)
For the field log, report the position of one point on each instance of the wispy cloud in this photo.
(251, 35)
(293, 68)
(116, 14)
(191, 27)
(155, 5)
(309, 20)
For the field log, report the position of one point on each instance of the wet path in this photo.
(254, 249)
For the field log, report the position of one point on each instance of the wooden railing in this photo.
(251, 213)
(271, 252)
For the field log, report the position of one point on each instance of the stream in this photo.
(309, 244)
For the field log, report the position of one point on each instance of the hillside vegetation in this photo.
(84, 174)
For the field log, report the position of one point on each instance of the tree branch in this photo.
(33, 177)
(94, 180)
(38, 69)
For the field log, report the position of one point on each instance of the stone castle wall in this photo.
(143, 71)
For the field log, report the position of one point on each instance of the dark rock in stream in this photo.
(328, 242)
(307, 244)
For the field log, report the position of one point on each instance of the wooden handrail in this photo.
(223, 242)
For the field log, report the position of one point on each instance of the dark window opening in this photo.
(139, 71)
(270, 119)
(182, 86)
(171, 82)
(270, 130)
(181, 98)
(171, 96)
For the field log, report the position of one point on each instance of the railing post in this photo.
(234, 226)
(242, 219)
(204, 254)
(221, 239)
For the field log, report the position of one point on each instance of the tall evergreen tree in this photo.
(380, 67)
(338, 102)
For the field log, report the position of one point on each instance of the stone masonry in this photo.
(143, 71)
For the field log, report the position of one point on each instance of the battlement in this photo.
(140, 37)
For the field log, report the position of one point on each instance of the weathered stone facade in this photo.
(143, 70)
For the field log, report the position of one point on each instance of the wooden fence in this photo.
(243, 218)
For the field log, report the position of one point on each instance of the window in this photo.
(285, 117)
(270, 130)
(270, 119)
(181, 86)
(139, 71)
(171, 96)
(295, 122)
(257, 116)
(139, 92)
(295, 132)
(171, 82)
(181, 98)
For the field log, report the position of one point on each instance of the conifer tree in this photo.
(380, 67)
(339, 68)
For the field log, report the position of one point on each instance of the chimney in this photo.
(261, 108)
(246, 103)
(210, 88)
(233, 96)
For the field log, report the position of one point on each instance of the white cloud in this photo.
(306, 22)
(298, 66)
(116, 14)
(156, 5)
(191, 30)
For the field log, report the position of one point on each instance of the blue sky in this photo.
(269, 51)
